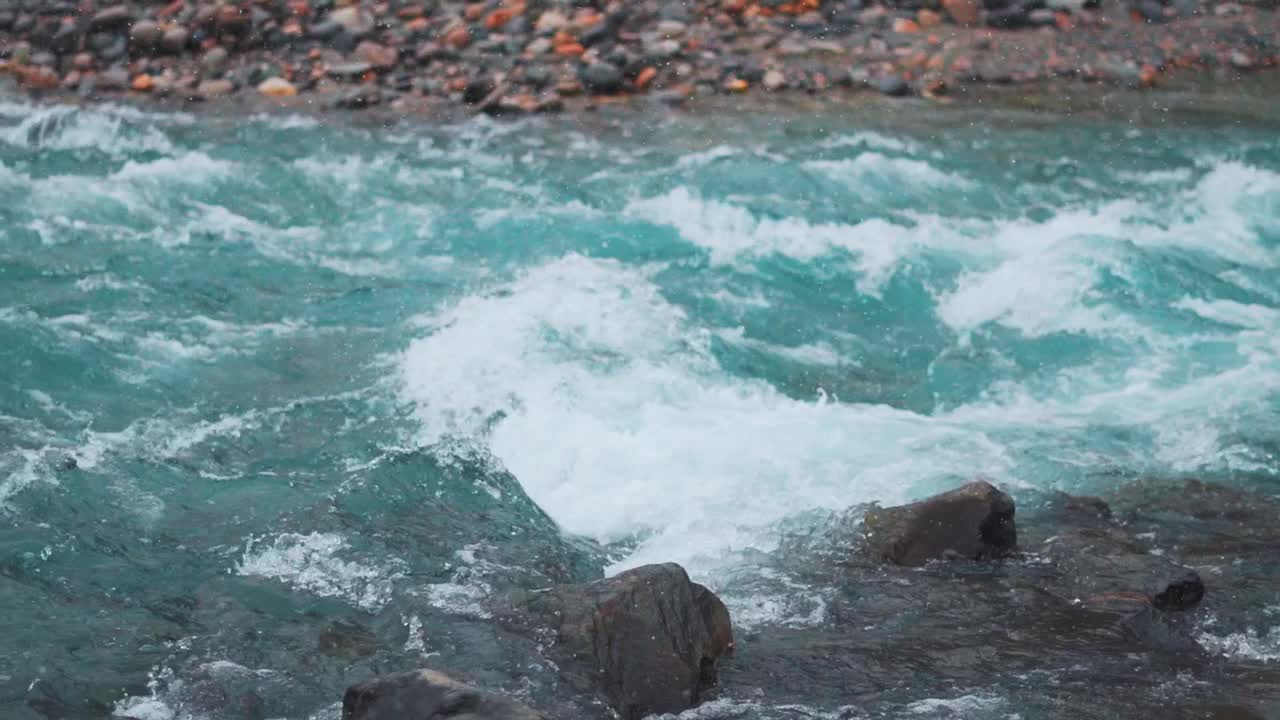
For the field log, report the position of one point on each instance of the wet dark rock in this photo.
(1150, 10)
(114, 78)
(348, 72)
(325, 30)
(975, 522)
(357, 98)
(1102, 564)
(347, 639)
(478, 89)
(1011, 17)
(215, 89)
(175, 40)
(596, 34)
(354, 19)
(116, 17)
(427, 694)
(1105, 568)
(892, 85)
(214, 61)
(648, 639)
(601, 77)
(146, 36)
(66, 38)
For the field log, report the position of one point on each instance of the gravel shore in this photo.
(518, 57)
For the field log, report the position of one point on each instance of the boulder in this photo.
(427, 694)
(1105, 568)
(974, 522)
(648, 639)
(1103, 564)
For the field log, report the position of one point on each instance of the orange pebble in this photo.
(905, 25)
(142, 83)
(645, 77)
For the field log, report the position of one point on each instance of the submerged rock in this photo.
(427, 694)
(648, 639)
(974, 521)
(1103, 565)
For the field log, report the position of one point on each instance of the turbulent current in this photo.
(283, 402)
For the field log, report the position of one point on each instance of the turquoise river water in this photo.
(262, 376)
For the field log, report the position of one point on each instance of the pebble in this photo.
(214, 61)
(348, 71)
(380, 57)
(146, 35)
(892, 85)
(601, 77)
(967, 13)
(353, 19)
(605, 46)
(662, 51)
(215, 88)
(551, 22)
(113, 78)
(114, 17)
(540, 46)
(175, 40)
(277, 87)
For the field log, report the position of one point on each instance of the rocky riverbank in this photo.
(528, 56)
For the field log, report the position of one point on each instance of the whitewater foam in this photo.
(608, 406)
(312, 562)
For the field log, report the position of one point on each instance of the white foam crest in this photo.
(312, 563)
(707, 157)
(869, 170)
(611, 411)
(818, 353)
(1250, 644)
(107, 281)
(21, 468)
(68, 128)
(190, 168)
(731, 232)
(1222, 215)
(1158, 177)
(872, 140)
(965, 706)
(133, 186)
(290, 121)
(351, 171)
(1229, 312)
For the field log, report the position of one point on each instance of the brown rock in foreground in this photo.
(427, 694)
(648, 639)
(974, 521)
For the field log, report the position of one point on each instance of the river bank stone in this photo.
(974, 522)
(647, 639)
